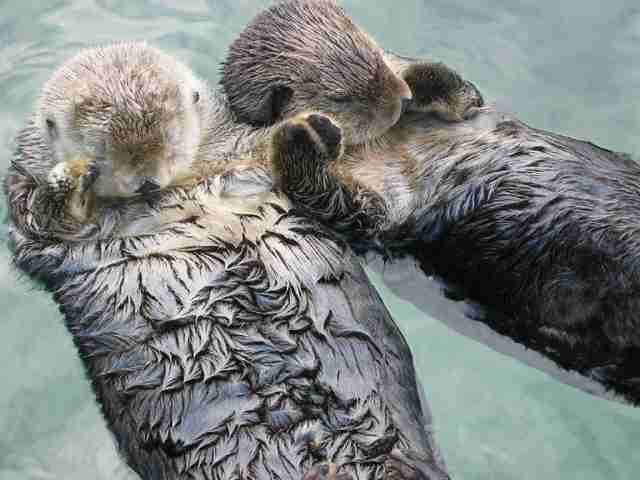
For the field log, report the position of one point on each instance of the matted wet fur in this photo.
(540, 228)
(549, 219)
(225, 336)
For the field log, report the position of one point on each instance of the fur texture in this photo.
(540, 228)
(225, 336)
(307, 55)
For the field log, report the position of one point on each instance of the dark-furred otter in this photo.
(307, 55)
(540, 228)
(302, 56)
(225, 336)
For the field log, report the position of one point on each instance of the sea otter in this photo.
(307, 55)
(225, 336)
(549, 219)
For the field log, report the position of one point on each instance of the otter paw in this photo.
(329, 133)
(326, 471)
(312, 136)
(441, 90)
(75, 175)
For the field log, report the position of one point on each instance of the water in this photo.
(566, 66)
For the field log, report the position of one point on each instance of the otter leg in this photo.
(436, 88)
(302, 151)
(70, 182)
(326, 471)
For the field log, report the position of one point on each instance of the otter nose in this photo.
(406, 103)
(148, 186)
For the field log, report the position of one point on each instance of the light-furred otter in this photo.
(549, 219)
(225, 336)
(112, 122)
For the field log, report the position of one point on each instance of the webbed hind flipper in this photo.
(436, 88)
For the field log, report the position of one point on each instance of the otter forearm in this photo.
(302, 151)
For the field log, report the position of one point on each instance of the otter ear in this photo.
(273, 104)
(52, 130)
(196, 97)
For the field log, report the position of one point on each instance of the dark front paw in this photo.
(309, 137)
(441, 90)
(89, 177)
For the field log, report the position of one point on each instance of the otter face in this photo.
(307, 55)
(132, 110)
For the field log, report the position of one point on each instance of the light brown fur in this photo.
(307, 55)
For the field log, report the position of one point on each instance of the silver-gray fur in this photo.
(225, 336)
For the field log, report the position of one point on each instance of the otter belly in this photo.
(236, 339)
(543, 231)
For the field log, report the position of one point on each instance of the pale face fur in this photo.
(307, 55)
(130, 109)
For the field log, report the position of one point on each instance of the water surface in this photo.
(570, 66)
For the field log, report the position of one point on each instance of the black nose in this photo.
(406, 103)
(148, 186)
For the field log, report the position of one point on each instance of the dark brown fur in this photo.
(307, 55)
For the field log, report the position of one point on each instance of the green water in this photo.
(570, 66)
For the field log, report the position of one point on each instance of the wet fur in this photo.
(540, 228)
(308, 55)
(225, 336)
(234, 338)
(303, 55)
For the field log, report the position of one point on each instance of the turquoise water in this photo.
(570, 66)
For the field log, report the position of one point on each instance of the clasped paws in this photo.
(309, 136)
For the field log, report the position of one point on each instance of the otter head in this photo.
(129, 108)
(304, 55)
